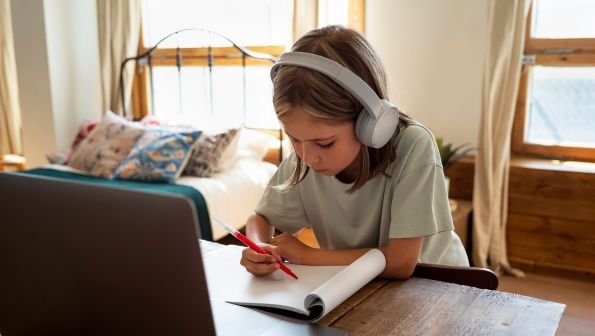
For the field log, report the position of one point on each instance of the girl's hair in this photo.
(323, 99)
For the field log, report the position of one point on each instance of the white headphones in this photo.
(375, 126)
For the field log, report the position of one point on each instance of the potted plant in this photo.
(449, 155)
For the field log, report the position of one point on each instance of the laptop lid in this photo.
(79, 258)
(85, 259)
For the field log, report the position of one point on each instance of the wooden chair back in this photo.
(469, 276)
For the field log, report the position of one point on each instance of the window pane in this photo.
(561, 108)
(254, 23)
(333, 12)
(563, 19)
(225, 107)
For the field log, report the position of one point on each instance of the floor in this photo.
(578, 296)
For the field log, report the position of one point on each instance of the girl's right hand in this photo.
(261, 264)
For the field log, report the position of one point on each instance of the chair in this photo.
(469, 276)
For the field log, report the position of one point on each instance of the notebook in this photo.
(316, 292)
(82, 259)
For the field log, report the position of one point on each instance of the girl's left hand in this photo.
(291, 248)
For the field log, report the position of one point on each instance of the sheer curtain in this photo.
(10, 114)
(506, 35)
(119, 31)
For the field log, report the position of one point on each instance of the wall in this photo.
(57, 53)
(433, 51)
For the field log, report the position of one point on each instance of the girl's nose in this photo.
(309, 157)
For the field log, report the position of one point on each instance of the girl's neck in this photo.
(350, 174)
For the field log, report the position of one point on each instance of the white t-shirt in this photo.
(412, 202)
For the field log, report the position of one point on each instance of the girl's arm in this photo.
(258, 229)
(401, 254)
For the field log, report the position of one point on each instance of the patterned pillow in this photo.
(62, 157)
(159, 155)
(207, 154)
(106, 146)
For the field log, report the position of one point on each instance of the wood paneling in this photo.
(551, 217)
(461, 178)
(551, 214)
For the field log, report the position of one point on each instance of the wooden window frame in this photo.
(549, 52)
(223, 56)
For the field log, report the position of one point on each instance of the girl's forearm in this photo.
(258, 229)
(398, 265)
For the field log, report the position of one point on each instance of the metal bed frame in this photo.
(147, 57)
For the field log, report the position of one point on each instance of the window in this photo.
(216, 94)
(556, 106)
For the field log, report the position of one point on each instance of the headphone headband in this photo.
(338, 73)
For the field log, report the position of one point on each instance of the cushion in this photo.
(208, 152)
(106, 146)
(159, 155)
(255, 144)
(62, 157)
(85, 128)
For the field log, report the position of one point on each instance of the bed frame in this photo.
(148, 57)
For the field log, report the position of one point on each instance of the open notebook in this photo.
(318, 290)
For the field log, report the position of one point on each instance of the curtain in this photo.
(501, 75)
(10, 114)
(119, 31)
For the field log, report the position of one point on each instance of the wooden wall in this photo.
(551, 215)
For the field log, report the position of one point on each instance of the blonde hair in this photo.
(325, 100)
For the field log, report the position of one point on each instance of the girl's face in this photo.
(328, 149)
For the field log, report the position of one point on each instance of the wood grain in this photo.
(428, 307)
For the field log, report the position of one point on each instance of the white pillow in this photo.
(254, 144)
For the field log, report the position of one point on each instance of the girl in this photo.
(354, 196)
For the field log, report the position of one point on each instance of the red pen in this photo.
(251, 244)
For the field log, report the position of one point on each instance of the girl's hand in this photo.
(290, 248)
(261, 264)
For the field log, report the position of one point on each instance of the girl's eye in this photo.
(327, 145)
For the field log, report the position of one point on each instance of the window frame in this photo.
(223, 56)
(549, 52)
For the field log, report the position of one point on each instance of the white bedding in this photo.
(230, 195)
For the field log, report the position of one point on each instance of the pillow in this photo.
(62, 157)
(106, 146)
(254, 144)
(229, 155)
(85, 128)
(207, 154)
(159, 155)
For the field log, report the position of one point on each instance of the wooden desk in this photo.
(426, 307)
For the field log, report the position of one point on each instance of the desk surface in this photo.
(427, 307)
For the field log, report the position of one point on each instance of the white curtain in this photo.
(501, 75)
(10, 114)
(119, 31)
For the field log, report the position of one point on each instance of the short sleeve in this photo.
(283, 209)
(419, 206)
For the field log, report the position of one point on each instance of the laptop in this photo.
(84, 259)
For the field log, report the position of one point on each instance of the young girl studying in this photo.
(363, 174)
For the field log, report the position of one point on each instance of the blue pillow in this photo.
(159, 155)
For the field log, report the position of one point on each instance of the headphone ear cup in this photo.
(376, 132)
(364, 128)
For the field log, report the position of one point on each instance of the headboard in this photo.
(148, 57)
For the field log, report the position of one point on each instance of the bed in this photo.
(229, 191)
